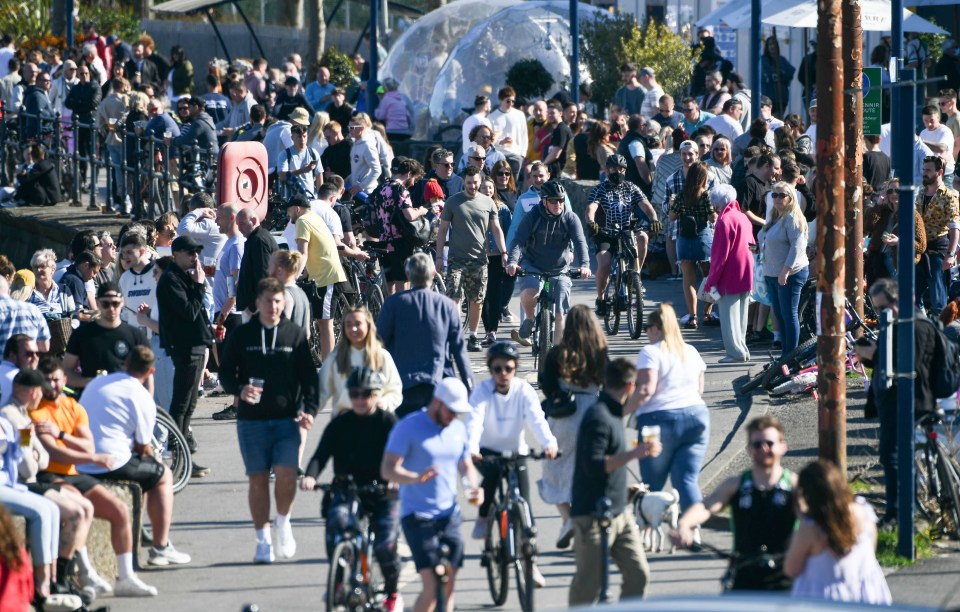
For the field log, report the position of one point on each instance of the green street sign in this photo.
(872, 101)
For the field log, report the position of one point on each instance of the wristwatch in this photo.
(61, 435)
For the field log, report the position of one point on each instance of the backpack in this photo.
(945, 367)
(415, 233)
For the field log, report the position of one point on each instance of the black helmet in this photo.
(616, 161)
(552, 189)
(506, 350)
(365, 378)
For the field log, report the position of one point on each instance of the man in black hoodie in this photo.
(257, 249)
(267, 363)
(185, 332)
(83, 100)
(200, 132)
(39, 112)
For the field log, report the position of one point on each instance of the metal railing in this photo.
(143, 169)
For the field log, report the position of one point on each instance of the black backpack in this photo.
(945, 367)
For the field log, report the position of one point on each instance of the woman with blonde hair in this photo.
(283, 266)
(359, 347)
(832, 555)
(668, 396)
(46, 292)
(784, 246)
(576, 366)
(315, 139)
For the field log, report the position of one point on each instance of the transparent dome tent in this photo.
(442, 80)
(419, 54)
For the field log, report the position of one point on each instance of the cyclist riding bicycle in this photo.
(762, 511)
(618, 203)
(355, 440)
(502, 406)
(542, 246)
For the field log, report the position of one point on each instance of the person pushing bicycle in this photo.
(542, 245)
(355, 440)
(617, 202)
(502, 406)
(762, 512)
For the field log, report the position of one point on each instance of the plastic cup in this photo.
(257, 383)
(168, 134)
(649, 433)
(25, 435)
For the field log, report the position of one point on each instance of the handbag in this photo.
(759, 293)
(417, 232)
(706, 295)
(688, 227)
(560, 405)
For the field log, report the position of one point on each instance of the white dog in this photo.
(652, 509)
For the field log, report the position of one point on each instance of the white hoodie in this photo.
(497, 421)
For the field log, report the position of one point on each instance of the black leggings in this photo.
(492, 301)
(491, 479)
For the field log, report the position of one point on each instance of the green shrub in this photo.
(340, 65)
(529, 79)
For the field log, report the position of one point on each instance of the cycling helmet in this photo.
(552, 189)
(502, 349)
(365, 378)
(616, 161)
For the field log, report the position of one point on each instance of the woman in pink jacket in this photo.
(731, 271)
(394, 112)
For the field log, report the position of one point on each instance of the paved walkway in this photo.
(212, 523)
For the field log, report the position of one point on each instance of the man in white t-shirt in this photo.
(201, 225)
(300, 166)
(651, 100)
(137, 283)
(122, 416)
(727, 123)
(939, 138)
(509, 123)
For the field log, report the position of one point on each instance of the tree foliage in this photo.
(529, 79)
(340, 65)
(607, 43)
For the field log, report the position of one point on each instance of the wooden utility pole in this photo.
(831, 250)
(853, 161)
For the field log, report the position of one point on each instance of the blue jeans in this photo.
(384, 516)
(785, 302)
(932, 277)
(684, 433)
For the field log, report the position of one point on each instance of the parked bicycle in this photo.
(624, 292)
(511, 541)
(542, 337)
(170, 445)
(937, 477)
(354, 580)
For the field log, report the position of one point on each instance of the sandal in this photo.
(691, 324)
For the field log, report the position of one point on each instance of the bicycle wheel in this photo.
(374, 300)
(376, 592)
(316, 350)
(543, 338)
(337, 311)
(801, 357)
(754, 382)
(522, 563)
(495, 559)
(635, 312)
(173, 449)
(611, 319)
(949, 492)
(927, 483)
(340, 576)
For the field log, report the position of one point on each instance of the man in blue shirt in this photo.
(425, 453)
(319, 92)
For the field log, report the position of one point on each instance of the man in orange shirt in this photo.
(62, 425)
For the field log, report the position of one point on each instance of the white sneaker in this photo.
(264, 553)
(481, 528)
(133, 587)
(96, 582)
(538, 580)
(167, 556)
(62, 602)
(286, 545)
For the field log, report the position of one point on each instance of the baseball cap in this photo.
(108, 290)
(28, 377)
(25, 277)
(185, 243)
(813, 103)
(112, 39)
(70, 64)
(453, 394)
(765, 101)
(297, 200)
(299, 116)
(291, 80)
(646, 71)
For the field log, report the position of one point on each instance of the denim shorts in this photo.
(265, 443)
(560, 289)
(695, 249)
(425, 535)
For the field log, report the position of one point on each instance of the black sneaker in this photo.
(474, 344)
(776, 344)
(191, 441)
(227, 414)
(762, 337)
(199, 471)
(601, 307)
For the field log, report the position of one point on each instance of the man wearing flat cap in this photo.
(185, 331)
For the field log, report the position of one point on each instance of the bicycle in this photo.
(624, 291)
(170, 445)
(542, 337)
(738, 561)
(354, 580)
(938, 476)
(512, 539)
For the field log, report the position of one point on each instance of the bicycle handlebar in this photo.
(348, 485)
(543, 276)
(511, 457)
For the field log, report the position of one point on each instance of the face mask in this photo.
(615, 177)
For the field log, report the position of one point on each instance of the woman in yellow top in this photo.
(358, 347)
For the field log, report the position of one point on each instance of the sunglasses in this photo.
(779, 196)
(553, 200)
(474, 157)
(353, 127)
(503, 369)
(357, 393)
(510, 101)
(758, 444)
(891, 191)
(32, 353)
(446, 165)
(688, 110)
(503, 173)
(110, 303)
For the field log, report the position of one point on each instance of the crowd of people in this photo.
(208, 298)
